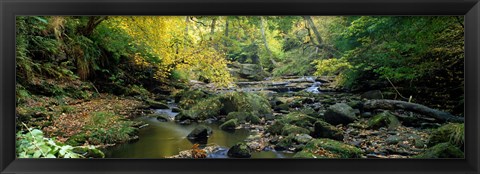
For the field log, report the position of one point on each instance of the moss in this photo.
(243, 117)
(205, 109)
(77, 140)
(453, 133)
(229, 125)
(285, 143)
(293, 129)
(306, 154)
(332, 148)
(275, 128)
(298, 119)
(188, 98)
(442, 150)
(244, 102)
(239, 150)
(384, 119)
(325, 130)
(89, 152)
(156, 104)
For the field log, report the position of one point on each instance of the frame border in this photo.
(11, 8)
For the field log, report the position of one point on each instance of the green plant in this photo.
(106, 128)
(33, 144)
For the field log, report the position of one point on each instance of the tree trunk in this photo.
(262, 29)
(315, 31)
(93, 22)
(421, 109)
(212, 32)
(226, 32)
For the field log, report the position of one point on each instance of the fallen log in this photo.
(418, 108)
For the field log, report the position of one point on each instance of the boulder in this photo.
(332, 149)
(252, 72)
(340, 113)
(239, 150)
(200, 132)
(243, 117)
(384, 119)
(454, 133)
(293, 129)
(229, 125)
(442, 150)
(324, 130)
(373, 94)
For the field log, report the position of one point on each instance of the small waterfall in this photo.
(314, 88)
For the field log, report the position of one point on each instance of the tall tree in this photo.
(262, 29)
(314, 28)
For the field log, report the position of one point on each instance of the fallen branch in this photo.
(418, 108)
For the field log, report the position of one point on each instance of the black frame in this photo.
(10, 8)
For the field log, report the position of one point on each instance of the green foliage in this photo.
(33, 144)
(453, 133)
(107, 128)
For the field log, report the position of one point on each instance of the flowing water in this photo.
(162, 139)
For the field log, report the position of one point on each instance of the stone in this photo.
(156, 104)
(442, 150)
(332, 149)
(325, 130)
(373, 94)
(229, 125)
(393, 139)
(239, 150)
(340, 113)
(200, 132)
(384, 119)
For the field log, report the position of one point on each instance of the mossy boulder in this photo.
(275, 128)
(328, 148)
(200, 132)
(185, 115)
(305, 154)
(442, 150)
(204, 109)
(187, 98)
(325, 130)
(373, 94)
(244, 102)
(293, 129)
(384, 119)
(243, 117)
(239, 150)
(298, 119)
(454, 133)
(230, 124)
(252, 72)
(340, 113)
(156, 104)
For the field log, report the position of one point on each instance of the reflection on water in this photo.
(162, 139)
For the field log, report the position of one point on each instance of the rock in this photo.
(366, 115)
(200, 132)
(302, 138)
(89, 152)
(331, 149)
(324, 130)
(175, 109)
(252, 71)
(454, 133)
(393, 139)
(229, 125)
(284, 143)
(156, 104)
(243, 117)
(356, 104)
(384, 119)
(183, 116)
(373, 94)
(293, 129)
(239, 150)
(280, 107)
(340, 113)
(305, 154)
(442, 150)
(160, 117)
(244, 102)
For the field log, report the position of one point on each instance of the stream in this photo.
(162, 139)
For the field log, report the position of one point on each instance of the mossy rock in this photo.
(332, 149)
(384, 119)
(77, 140)
(340, 113)
(200, 132)
(244, 102)
(156, 104)
(229, 125)
(325, 130)
(310, 112)
(285, 143)
(89, 153)
(454, 133)
(239, 150)
(305, 154)
(293, 129)
(275, 128)
(185, 115)
(298, 119)
(205, 109)
(243, 117)
(442, 150)
(187, 98)
(160, 117)
(283, 106)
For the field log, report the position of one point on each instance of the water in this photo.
(314, 88)
(161, 139)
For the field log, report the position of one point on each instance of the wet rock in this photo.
(239, 150)
(442, 150)
(324, 130)
(200, 132)
(340, 113)
(373, 94)
(229, 125)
